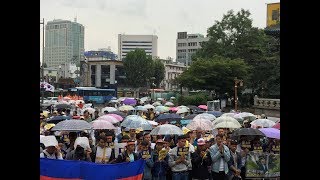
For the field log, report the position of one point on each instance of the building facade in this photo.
(101, 73)
(101, 54)
(64, 42)
(127, 43)
(172, 71)
(186, 45)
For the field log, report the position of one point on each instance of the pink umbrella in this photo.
(119, 118)
(101, 124)
(110, 119)
(173, 109)
(277, 125)
(203, 107)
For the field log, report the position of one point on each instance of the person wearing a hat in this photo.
(200, 160)
(52, 150)
(128, 155)
(160, 165)
(81, 152)
(220, 155)
(179, 159)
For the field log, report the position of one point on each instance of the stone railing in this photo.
(266, 103)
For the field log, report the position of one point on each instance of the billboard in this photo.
(262, 165)
(273, 14)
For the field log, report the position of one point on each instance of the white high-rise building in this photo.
(127, 43)
(64, 42)
(187, 44)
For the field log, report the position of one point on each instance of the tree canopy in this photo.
(159, 72)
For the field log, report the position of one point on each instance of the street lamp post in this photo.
(236, 82)
(152, 86)
(42, 67)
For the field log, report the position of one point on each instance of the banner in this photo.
(262, 165)
(52, 169)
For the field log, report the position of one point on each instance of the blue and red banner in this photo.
(51, 169)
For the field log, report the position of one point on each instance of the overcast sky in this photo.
(105, 19)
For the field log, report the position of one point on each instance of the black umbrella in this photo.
(215, 113)
(194, 108)
(246, 132)
(118, 113)
(63, 106)
(57, 119)
(168, 117)
(191, 116)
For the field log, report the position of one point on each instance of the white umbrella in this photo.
(109, 118)
(126, 108)
(169, 104)
(109, 109)
(228, 114)
(140, 108)
(243, 115)
(225, 119)
(166, 129)
(149, 106)
(204, 124)
(203, 116)
(113, 101)
(182, 110)
(156, 104)
(266, 123)
(153, 123)
(101, 124)
(227, 124)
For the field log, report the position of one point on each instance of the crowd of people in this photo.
(197, 154)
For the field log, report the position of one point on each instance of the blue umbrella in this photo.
(185, 121)
(215, 113)
(140, 108)
(57, 119)
(168, 117)
(135, 122)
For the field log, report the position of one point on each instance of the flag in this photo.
(52, 169)
(47, 86)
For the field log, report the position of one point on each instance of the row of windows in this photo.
(56, 26)
(136, 41)
(192, 50)
(181, 50)
(177, 68)
(181, 57)
(192, 37)
(136, 48)
(192, 44)
(182, 44)
(149, 45)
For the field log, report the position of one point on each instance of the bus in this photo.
(93, 94)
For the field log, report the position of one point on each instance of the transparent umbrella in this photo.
(266, 123)
(166, 129)
(135, 122)
(101, 124)
(204, 124)
(204, 116)
(72, 125)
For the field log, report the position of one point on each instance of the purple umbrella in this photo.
(271, 132)
(128, 101)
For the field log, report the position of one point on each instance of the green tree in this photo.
(138, 68)
(159, 72)
(214, 74)
(235, 37)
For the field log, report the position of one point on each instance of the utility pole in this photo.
(236, 82)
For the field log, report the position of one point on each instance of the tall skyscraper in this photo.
(127, 43)
(187, 44)
(64, 42)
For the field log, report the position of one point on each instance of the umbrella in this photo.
(243, 115)
(225, 119)
(121, 99)
(162, 109)
(63, 106)
(89, 109)
(277, 125)
(168, 117)
(271, 132)
(182, 110)
(175, 109)
(205, 125)
(56, 119)
(109, 109)
(205, 107)
(266, 123)
(247, 132)
(126, 108)
(101, 124)
(215, 113)
(140, 108)
(191, 116)
(229, 114)
(166, 129)
(135, 122)
(203, 116)
(169, 104)
(227, 124)
(149, 106)
(88, 105)
(123, 115)
(108, 118)
(119, 118)
(156, 104)
(194, 108)
(153, 123)
(129, 101)
(72, 125)
(113, 101)
(185, 121)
